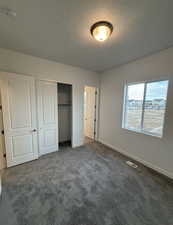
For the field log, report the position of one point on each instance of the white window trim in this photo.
(141, 131)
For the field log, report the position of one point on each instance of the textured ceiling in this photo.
(58, 30)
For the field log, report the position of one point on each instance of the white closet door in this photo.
(47, 117)
(19, 114)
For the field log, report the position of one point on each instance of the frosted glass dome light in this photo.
(101, 30)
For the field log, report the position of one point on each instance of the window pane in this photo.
(154, 107)
(134, 101)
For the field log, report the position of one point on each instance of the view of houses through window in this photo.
(145, 105)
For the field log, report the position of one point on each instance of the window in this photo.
(144, 107)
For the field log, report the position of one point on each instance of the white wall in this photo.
(11, 61)
(153, 151)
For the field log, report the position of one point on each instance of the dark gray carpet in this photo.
(89, 185)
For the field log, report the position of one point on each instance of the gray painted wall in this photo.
(152, 151)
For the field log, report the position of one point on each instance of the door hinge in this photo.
(4, 155)
(0, 107)
(2, 132)
(95, 106)
(95, 92)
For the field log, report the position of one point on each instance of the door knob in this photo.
(34, 130)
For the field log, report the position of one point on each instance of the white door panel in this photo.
(47, 117)
(19, 95)
(50, 137)
(19, 113)
(21, 145)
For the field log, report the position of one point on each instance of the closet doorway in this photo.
(64, 115)
(90, 113)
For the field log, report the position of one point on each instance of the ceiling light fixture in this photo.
(101, 30)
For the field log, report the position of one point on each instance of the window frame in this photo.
(141, 131)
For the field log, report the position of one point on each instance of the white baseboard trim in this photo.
(145, 163)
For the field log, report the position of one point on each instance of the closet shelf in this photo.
(64, 104)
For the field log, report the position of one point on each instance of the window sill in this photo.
(143, 132)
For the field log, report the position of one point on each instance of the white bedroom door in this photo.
(19, 115)
(89, 111)
(47, 117)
